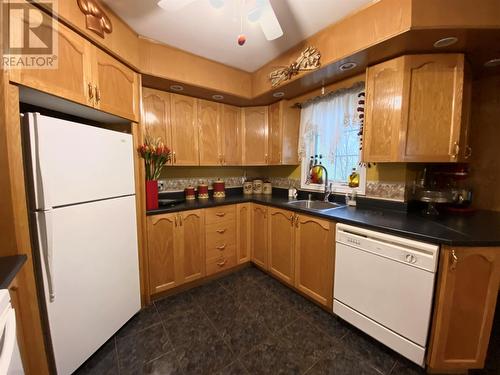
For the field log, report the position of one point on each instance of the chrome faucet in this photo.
(327, 191)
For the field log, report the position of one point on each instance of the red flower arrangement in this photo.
(155, 155)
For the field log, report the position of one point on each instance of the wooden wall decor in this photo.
(96, 19)
(308, 60)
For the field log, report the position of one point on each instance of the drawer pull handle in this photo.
(220, 214)
(221, 247)
(221, 231)
(221, 264)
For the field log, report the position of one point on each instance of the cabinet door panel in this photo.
(117, 86)
(275, 132)
(161, 252)
(255, 134)
(290, 142)
(231, 135)
(259, 236)
(192, 245)
(73, 74)
(209, 133)
(156, 114)
(434, 108)
(243, 231)
(184, 130)
(281, 251)
(314, 258)
(384, 90)
(464, 308)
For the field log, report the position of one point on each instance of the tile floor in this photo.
(247, 323)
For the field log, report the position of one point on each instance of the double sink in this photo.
(319, 206)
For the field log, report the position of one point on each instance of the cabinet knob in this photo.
(456, 150)
(291, 219)
(97, 94)
(221, 247)
(221, 264)
(454, 260)
(174, 158)
(91, 91)
(180, 220)
(468, 151)
(221, 231)
(220, 214)
(175, 217)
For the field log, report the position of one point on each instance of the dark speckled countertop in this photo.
(481, 228)
(9, 267)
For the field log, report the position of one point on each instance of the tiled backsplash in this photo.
(394, 191)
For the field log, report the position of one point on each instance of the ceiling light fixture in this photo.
(445, 42)
(279, 94)
(492, 63)
(176, 88)
(348, 66)
(217, 97)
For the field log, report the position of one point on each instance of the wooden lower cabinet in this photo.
(280, 240)
(259, 228)
(314, 258)
(466, 296)
(243, 233)
(175, 249)
(220, 235)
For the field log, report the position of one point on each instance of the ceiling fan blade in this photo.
(174, 5)
(269, 22)
(217, 4)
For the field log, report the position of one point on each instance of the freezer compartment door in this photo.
(73, 163)
(94, 275)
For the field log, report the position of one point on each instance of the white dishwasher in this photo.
(384, 285)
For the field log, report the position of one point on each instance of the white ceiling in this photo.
(212, 33)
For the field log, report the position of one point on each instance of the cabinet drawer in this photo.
(224, 249)
(220, 232)
(220, 214)
(220, 264)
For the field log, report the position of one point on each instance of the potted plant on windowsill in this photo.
(155, 155)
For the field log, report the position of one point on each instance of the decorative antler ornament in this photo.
(96, 19)
(308, 60)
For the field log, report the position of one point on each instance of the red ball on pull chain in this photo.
(242, 39)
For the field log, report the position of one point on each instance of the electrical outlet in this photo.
(162, 184)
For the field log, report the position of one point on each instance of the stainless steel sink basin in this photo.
(315, 205)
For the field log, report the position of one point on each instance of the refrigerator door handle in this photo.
(47, 251)
(40, 165)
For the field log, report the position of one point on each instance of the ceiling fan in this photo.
(259, 11)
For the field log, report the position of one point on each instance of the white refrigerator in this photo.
(82, 202)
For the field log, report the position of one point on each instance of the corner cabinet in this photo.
(175, 249)
(284, 121)
(417, 110)
(255, 136)
(243, 232)
(280, 241)
(467, 290)
(231, 144)
(259, 228)
(314, 258)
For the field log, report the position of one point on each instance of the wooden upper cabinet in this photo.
(280, 242)
(243, 232)
(417, 110)
(209, 133)
(231, 135)
(314, 258)
(467, 290)
(191, 237)
(72, 79)
(162, 255)
(255, 136)
(156, 114)
(284, 122)
(383, 118)
(184, 121)
(116, 86)
(259, 228)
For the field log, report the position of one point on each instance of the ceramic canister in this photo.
(203, 191)
(267, 188)
(247, 187)
(219, 189)
(257, 186)
(190, 193)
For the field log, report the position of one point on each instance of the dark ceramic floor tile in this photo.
(273, 356)
(137, 349)
(224, 310)
(102, 362)
(275, 314)
(235, 368)
(140, 321)
(191, 328)
(342, 363)
(328, 322)
(373, 352)
(204, 357)
(253, 295)
(235, 282)
(208, 294)
(404, 367)
(175, 306)
(165, 365)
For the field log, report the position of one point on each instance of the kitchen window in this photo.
(330, 128)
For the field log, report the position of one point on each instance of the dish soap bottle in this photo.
(354, 179)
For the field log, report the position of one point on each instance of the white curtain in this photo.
(322, 120)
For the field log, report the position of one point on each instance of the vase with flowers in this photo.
(156, 155)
